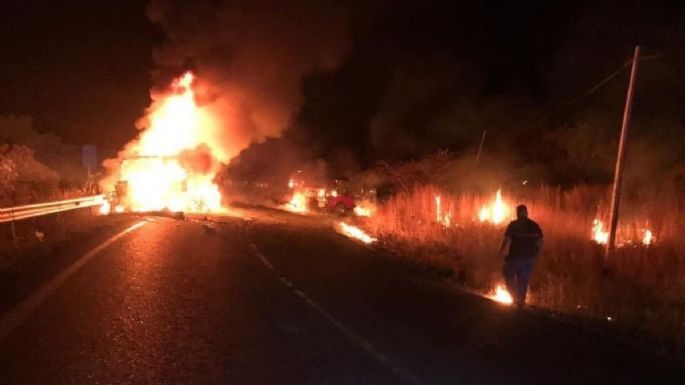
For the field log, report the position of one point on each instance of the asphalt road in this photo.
(281, 302)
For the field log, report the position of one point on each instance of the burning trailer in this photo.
(172, 164)
(159, 183)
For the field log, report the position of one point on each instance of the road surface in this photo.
(277, 302)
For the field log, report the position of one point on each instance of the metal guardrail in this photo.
(11, 214)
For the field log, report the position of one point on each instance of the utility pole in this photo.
(480, 148)
(618, 174)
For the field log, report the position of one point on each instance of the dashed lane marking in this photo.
(24, 310)
(361, 342)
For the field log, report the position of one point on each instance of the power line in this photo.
(594, 88)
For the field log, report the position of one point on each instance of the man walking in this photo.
(523, 238)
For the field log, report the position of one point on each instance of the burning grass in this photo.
(641, 287)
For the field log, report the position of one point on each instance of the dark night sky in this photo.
(82, 68)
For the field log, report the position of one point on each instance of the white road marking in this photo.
(355, 338)
(24, 310)
(261, 257)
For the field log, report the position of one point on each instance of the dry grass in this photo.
(641, 287)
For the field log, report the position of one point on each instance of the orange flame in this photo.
(648, 238)
(599, 234)
(501, 295)
(356, 233)
(156, 177)
(105, 208)
(496, 212)
(298, 203)
(364, 208)
(443, 219)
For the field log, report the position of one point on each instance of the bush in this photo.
(23, 179)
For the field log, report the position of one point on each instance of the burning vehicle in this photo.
(335, 197)
(171, 166)
(165, 192)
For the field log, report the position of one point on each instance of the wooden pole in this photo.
(618, 174)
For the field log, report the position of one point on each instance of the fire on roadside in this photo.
(647, 237)
(364, 208)
(444, 219)
(501, 295)
(600, 235)
(496, 212)
(297, 203)
(355, 232)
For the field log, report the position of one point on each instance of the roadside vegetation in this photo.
(436, 223)
(37, 167)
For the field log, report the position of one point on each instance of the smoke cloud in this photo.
(249, 58)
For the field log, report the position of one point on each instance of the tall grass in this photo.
(641, 288)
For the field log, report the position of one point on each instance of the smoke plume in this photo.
(249, 58)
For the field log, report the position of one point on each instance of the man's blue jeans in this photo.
(516, 274)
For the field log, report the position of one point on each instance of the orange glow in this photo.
(356, 233)
(648, 237)
(443, 219)
(496, 212)
(501, 295)
(298, 203)
(161, 169)
(364, 208)
(105, 209)
(599, 234)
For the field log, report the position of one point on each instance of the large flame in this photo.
(496, 212)
(171, 166)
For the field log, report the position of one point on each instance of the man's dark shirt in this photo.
(525, 235)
